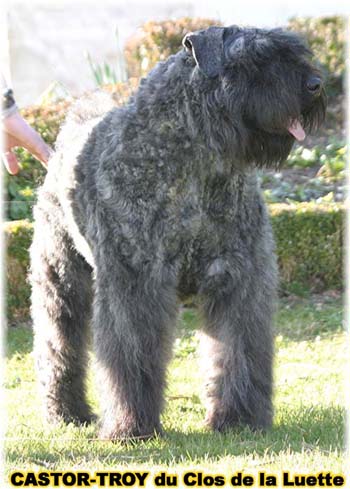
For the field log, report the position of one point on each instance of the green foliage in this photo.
(332, 158)
(326, 38)
(313, 189)
(20, 198)
(18, 236)
(324, 183)
(302, 157)
(155, 41)
(309, 240)
(103, 74)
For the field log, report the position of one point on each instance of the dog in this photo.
(148, 204)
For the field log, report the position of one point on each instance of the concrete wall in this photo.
(48, 42)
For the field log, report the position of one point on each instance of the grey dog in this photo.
(148, 204)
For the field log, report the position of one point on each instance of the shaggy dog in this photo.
(156, 201)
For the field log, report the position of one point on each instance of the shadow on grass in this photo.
(313, 428)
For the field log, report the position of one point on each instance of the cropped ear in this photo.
(207, 49)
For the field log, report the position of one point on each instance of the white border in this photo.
(336, 11)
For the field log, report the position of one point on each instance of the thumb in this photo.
(10, 162)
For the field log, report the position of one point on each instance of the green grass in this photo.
(308, 431)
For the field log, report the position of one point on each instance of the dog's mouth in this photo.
(296, 130)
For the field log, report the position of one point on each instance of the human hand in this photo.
(17, 133)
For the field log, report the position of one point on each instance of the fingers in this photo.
(10, 142)
(43, 153)
(39, 149)
(10, 162)
(19, 133)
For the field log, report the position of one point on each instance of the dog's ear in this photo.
(207, 49)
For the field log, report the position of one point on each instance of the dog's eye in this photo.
(236, 47)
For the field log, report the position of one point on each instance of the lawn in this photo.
(308, 431)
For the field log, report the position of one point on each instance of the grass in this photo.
(308, 431)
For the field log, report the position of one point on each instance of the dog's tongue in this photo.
(296, 129)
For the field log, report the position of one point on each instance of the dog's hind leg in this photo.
(61, 304)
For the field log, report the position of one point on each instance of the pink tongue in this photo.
(297, 130)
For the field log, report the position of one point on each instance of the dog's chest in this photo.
(197, 205)
(199, 217)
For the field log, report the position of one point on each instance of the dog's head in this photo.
(259, 88)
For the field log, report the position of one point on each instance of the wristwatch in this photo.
(7, 99)
(8, 104)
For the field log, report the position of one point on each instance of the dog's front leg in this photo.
(238, 342)
(133, 321)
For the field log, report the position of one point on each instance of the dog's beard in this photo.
(272, 147)
(268, 150)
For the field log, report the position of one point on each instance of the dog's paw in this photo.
(223, 421)
(56, 414)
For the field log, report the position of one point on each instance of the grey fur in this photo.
(158, 201)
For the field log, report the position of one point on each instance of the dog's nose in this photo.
(314, 85)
